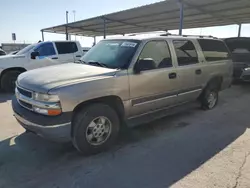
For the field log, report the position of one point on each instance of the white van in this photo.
(35, 56)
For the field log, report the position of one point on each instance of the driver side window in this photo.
(159, 53)
(46, 49)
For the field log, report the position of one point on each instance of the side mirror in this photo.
(33, 55)
(144, 64)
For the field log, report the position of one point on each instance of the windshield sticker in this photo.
(129, 44)
(112, 44)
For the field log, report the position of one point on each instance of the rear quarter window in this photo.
(214, 50)
(66, 47)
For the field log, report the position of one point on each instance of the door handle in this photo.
(198, 71)
(78, 56)
(172, 75)
(54, 58)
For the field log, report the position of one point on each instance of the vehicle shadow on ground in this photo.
(158, 153)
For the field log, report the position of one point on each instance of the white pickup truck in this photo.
(35, 56)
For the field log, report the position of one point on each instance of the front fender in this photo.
(12, 61)
(75, 94)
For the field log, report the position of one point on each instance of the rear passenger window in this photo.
(214, 50)
(159, 52)
(185, 52)
(66, 47)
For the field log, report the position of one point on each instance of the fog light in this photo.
(50, 112)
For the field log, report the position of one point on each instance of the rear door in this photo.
(188, 70)
(66, 51)
(79, 51)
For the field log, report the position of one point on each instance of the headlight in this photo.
(47, 104)
(46, 97)
(247, 69)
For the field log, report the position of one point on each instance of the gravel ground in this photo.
(193, 149)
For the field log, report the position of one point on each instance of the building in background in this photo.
(10, 47)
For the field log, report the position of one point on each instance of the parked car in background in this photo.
(2, 52)
(122, 81)
(36, 56)
(85, 50)
(240, 49)
(13, 53)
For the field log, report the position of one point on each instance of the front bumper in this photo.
(56, 128)
(240, 73)
(245, 76)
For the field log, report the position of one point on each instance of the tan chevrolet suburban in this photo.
(118, 82)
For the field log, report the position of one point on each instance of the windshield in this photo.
(26, 49)
(112, 53)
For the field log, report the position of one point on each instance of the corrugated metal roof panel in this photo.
(163, 16)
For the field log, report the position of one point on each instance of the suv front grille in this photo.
(24, 92)
(23, 96)
(25, 104)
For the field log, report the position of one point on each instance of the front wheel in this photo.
(95, 128)
(8, 81)
(209, 98)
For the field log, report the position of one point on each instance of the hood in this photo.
(4, 57)
(44, 79)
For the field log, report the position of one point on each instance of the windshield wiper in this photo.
(80, 61)
(97, 63)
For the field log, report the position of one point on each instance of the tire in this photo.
(87, 128)
(8, 81)
(210, 97)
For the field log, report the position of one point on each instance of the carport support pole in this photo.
(42, 35)
(181, 17)
(104, 28)
(94, 40)
(66, 28)
(239, 30)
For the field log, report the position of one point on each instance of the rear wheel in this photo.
(210, 97)
(8, 81)
(95, 128)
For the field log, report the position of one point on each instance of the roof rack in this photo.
(200, 36)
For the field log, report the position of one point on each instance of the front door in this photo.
(156, 87)
(189, 70)
(47, 56)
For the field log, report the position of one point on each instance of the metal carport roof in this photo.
(161, 16)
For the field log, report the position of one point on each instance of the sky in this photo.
(27, 17)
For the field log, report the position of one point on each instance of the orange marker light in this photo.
(54, 112)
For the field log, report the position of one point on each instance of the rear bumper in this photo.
(57, 128)
(245, 76)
